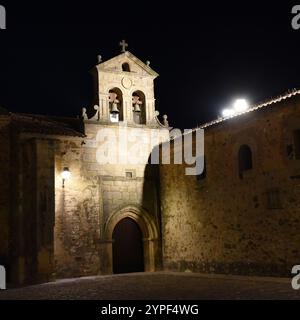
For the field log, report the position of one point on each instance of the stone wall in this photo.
(77, 213)
(26, 205)
(225, 224)
(34, 214)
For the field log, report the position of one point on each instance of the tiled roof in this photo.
(267, 103)
(47, 124)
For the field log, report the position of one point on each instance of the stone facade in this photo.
(240, 216)
(90, 201)
(99, 195)
(222, 222)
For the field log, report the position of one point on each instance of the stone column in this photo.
(127, 109)
(150, 110)
(104, 107)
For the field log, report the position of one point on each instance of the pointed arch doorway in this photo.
(128, 253)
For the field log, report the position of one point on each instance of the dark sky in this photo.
(206, 55)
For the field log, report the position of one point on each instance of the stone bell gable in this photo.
(125, 85)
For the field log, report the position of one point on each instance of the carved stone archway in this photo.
(150, 237)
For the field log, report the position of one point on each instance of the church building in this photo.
(64, 212)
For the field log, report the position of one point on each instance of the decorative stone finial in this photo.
(96, 117)
(165, 120)
(83, 114)
(99, 58)
(148, 63)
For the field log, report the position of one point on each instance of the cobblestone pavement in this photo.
(160, 285)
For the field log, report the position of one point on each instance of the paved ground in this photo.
(161, 285)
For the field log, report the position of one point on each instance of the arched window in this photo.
(125, 67)
(139, 107)
(116, 105)
(245, 159)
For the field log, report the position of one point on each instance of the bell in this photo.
(114, 109)
(137, 108)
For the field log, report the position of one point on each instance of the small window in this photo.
(296, 136)
(273, 198)
(125, 67)
(129, 174)
(245, 159)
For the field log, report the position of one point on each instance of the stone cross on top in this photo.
(123, 44)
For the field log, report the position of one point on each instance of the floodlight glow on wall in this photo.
(66, 174)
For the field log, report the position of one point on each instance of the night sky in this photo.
(206, 55)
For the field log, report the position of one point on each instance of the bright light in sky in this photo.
(228, 112)
(240, 105)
